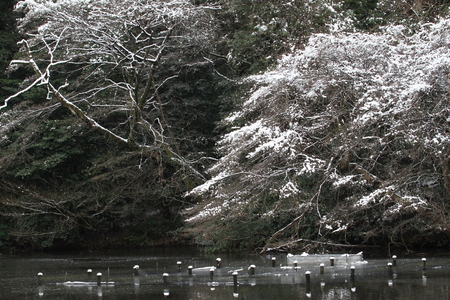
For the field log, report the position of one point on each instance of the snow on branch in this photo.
(353, 99)
(109, 51)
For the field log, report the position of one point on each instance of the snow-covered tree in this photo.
(346, 141)
(111, 54)
(102, 106)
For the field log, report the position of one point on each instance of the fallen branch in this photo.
(315, 242)
(276, 234)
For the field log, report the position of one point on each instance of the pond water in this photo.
(65, 276)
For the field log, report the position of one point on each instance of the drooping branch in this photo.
(36, 82)
(74, 109)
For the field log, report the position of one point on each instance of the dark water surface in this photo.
(65, 277)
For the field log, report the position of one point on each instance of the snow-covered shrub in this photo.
(354, 129)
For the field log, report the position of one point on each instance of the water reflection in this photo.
(161, 276)
(40, 290)
(424, 278)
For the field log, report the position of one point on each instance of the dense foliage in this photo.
(114, 114)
